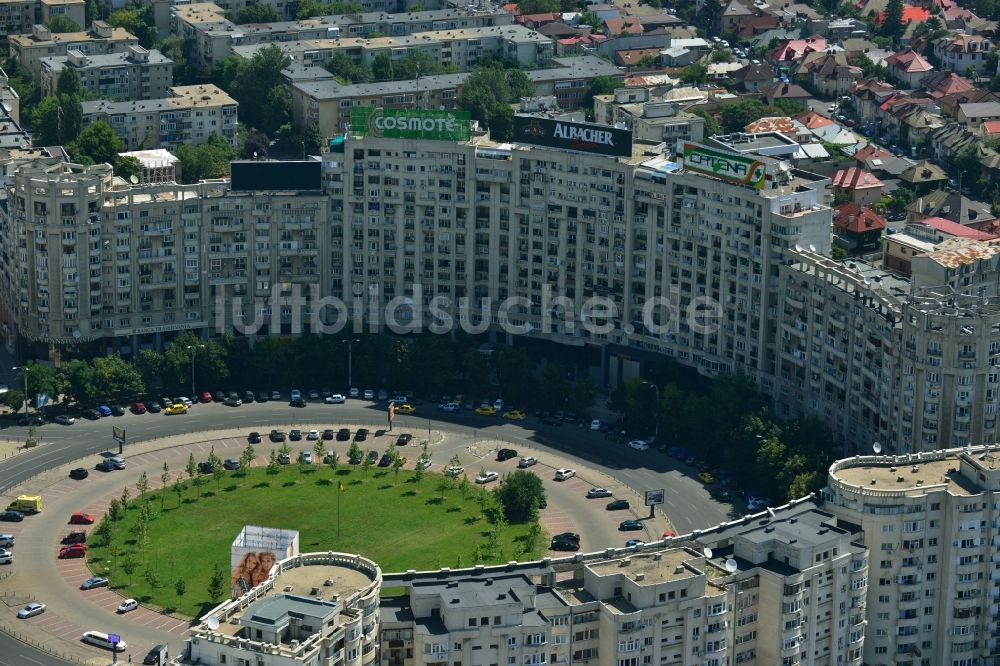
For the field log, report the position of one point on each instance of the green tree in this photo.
(104, 530)
(599, 85)
(418, 475)
(397, 464)
(68, 82)
(142, 485)
(129, 566)
(332, 460)
(488, 93)
(582, 395)
(354, 452)
(520, 493)
(208, 160)
(41, 378)
(164, 480)
(137, 20)
(218, 471)
(192, 470)
(250, 81)
(278, 111)
(553, 387)
(78, 380)
(116, 378)
(257, 14)
(301, 460)
(272, 463)
(694, 74)
(62, 23)
(366, 465)
(341, 66)
(178, 488)
(180, 587)
(125, 497)
(737, 116)
(150, 366)
(382, 67)
(115, 509)
(310, 8)
(464, 487)
(13, 398)
(315, 142)
(97, 142)
(246, 459)
(900, 199)
(444, 485)
(419, 63)
(892, 23)
(215, 584)
(537, 6)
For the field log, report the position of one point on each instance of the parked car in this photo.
(76, 536)
(127, 606)
(275, 395)
(354, 393)
(449, 407)
(486, 410)
(307, 457)
(206, 467)
(595, 493)
(91, 414)
(405, 409)
(527, 461)
(634, 542)
(284, 459)
(91, 583)
(154, 408)
(118, 462)
(454, 470)
(277, 436)
(423, 463)
(105, 466)
(78, 473)
(720, 494)
(176, 408)
(76, 551)
(335, 399)
(139, 407)
(231, 464)
(205, 396)
(263, 396)
(7, 540)
(563, 474)
(629, 525)
(706, 478)
(343, 435)
(6, 556)
(373, 456)
(184, 401)
(233, 401)
(638, 445)
(564, 544)
(328, 434)
(506, 454)
(11, 516)
(514, 414)
(487, 477)
(404, 439)
(356, 458)
(296, 402)
(294, 435)
(385, 460)
(595, 424)
(313, 394)
(81, 518)
(248, 396)
(254, 437)
(361, 435)
(157, 655)
(219, 397)
(312, 435)
(617, 505)
(31, 610)
(104, 410)
(369, 394)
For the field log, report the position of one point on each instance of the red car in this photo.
(139, 408)
(72, 552)
(205, 396)
(81, 518)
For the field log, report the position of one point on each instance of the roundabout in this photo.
(72, 611)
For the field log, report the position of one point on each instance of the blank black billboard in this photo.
(293, 175)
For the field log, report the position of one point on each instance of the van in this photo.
(102, 640)
(26, 504)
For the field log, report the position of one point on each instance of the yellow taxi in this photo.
(176, 408)
(405, 409)
(486, 410)
(514, 414)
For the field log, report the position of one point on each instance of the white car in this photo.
(638, 445)
(450, 407)
(128, 605)
(455, 470)
(423, 463)
(369, 394)
(527, 461)
(313, 435)
(335, 399)
(563, 474)
(831, 109)
(595, 424)
(354, 393)
(6, 557)
(184, 401)
(487, 477)
(498, 405)
(31, 610)
(307, 457)
(118, 463)
(6, 540)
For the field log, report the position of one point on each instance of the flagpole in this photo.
(340, 491)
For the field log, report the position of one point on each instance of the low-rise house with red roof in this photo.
(629, 25)
(923, 177)
(794, 50)
(860, 186)
(958, 52)
(941, 84)
(812, 120)
(908, 67)
(780, 90)
(537, 20)
(733, 15)
(869, 95)
(991, 129)
(858, 228)
(831, 76)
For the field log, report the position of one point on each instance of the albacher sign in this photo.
(723, 164)
(411, 123)
(586, 137)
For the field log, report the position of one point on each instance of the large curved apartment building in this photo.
(87, 259)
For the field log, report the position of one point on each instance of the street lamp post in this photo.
(194, 349)
(656, 389)
(350, 364)
(24, 373)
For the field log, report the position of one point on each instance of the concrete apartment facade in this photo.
(649, 119)
(911, 363)
(29, 49)
(188, 115)
(133, 74)
(931, 527)
(213, 36)
(328, 103)
(462, 47)
(314, 608)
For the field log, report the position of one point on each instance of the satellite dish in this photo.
(812, 248)
(213, 623)
(707, 552)
(76, 335)
(877, 448)
(731, 565)
(132, 179)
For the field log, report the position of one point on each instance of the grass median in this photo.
(395, 519)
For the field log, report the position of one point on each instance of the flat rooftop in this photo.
(913, 480)
(656, 567)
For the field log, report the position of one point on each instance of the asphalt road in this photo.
(687, 504)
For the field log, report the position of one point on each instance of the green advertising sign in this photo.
(723, 164)
(411, 123)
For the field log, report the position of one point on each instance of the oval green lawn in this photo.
(384, 517)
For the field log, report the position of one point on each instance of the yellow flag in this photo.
(342, 488)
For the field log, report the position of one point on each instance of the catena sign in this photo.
(411, 123)
(723, 164)
(586, 137)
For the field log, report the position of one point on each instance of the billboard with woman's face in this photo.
(255, 552)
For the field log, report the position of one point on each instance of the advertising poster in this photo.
(253, 553)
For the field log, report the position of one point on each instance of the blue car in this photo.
(104, 410)
(634, 542)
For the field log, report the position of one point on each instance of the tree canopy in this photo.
(257, 14)
(62, 23)
(208, 160)
(488, 93)
(248, 80)
(520, 494)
